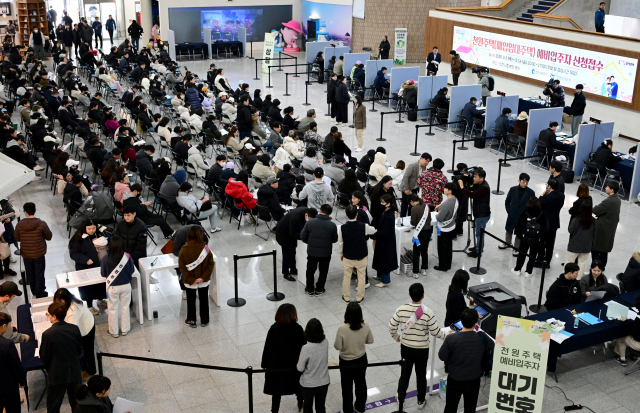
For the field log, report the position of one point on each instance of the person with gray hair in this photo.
(305, 122)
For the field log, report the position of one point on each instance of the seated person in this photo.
(521, 124)
(630, 280)
(440, 99)
(604, 157)
(565, 290)
(471, 111)
(72, 198)
(132, 199)
(594, 280)
(502, 123)
(381, 82)
(359, 75)
(632, 340)
(268, 197)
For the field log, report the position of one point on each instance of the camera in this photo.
(479, 69)
(465, 175)
(548, 87)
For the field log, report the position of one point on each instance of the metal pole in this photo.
(381, 124)
(399, 117)
(296, 75)
(415, 150)
(279, 61)
(478, 270)
(464, 130)
(539, 308)
(505, 164)
(497, 191)
(453, 158)
(251, 44)
(100, 369)
(328, 110)
(306, 94)
(373, 105)
(275, 295)
(269, 72)
(257, 78)
(286, 84)
(430, 124)
(236, 301)
(403, 368)
(250, 387)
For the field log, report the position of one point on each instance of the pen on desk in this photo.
(599, 312)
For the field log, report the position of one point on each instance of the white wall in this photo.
(625, 8)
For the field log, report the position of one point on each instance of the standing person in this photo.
(577, 109)
(565, 290)
(282, 347)
(332, 85)
(551, 204)
(582, 193)
(352, 239)
(351, 338)
(384, 187)
(342, 101)
(314, 366)
(384, 48)
(446, 218)
(481, 195)
(456, 66)
(111, 27)
(456, 302)
(135, 31)
(582, 232)
(288, 233)
(385, 258)
(179, 240)
(531, 229)
(319, 234)
(8, 291)
(515, 204)
(433, 62)
(53, 14)
(410, 181)
(79, 315)
(415, 322)
(60, 351)
(196, 266)
(12, 374)
(599, 19)
(432, 182)
(32, 233)
(555, 168)
(97, 31)
(485, 81)
(607, 213)
(338, 68)
(464, 353)
(86, 248)
(133, 233)
(117, 267)
(359, 121)
(36, 40)
(421, 220)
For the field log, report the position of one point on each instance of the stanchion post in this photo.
(464, 130)
(328, 110)
(250, 387)
(306, 94)
(275, 295)
(453, 158)
(381, 124)
(399, 117)
(373, 103)
(415, 149)
(279, 61)
(286, 84)
(269, 72)
(296, 75)
(403, 368)
(236, 301)
(100, 369)
(257, 78)
(539, 308)
(430, 123)
(504, 163)
(497, 191)
(478, 270)
(251, 44)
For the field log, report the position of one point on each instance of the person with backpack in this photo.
(531, 229)
(456, 66)
(487, 82)
(468, 356)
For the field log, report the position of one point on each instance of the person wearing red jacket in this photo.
(238, 188)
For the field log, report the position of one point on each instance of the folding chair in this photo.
(264, 215)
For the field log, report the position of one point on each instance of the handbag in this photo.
(168, 247)
(5, 252)
(206, 206)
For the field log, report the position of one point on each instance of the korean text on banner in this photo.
(400, 50)
(267, 54)
(519, 365)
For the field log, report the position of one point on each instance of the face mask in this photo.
(35, 31)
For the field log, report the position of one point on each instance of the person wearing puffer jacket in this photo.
(237, 188)
(194, 205)
(397, 175)
(196, 159)
(281, 158)
(192, 97)
(409, 92)
(144, 161)
(229, 109)
(261, 169)
(121, 187)
(291, 145)
(195, 120)
(177, 100)
(183, 111)
(207, 102)
(378, 168)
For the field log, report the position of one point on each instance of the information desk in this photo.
(625, 167)
(526, 104)
(192, 45)
(75, 279)
(585, 335)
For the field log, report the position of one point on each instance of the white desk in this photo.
(74, 279)
(401, 230)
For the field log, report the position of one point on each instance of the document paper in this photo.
(123, 405)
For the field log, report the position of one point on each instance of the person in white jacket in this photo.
(184, 113)
(229, 109)
(194, 206)
(178, 100)
(195, 120)
(78, 314)
(164, 132)
(378, 168)
(281, 158)
(196, 158)
(293, 145)
(221, 83)
(158, 67)
(397, 174)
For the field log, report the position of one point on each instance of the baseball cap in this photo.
(272, 180)
(71, 163)
(9, 288)
(222, 94)
(318, 172)
(230, 165)
(249, 146)
(177, 129)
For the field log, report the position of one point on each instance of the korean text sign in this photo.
(519, 365)
(267, 53)
(600, 73)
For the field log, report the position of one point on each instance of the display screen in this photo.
(601, 73)
(224, 22)
(481, 311)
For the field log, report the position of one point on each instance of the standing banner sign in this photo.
(519, 365)
(267, 54)
(400, 50)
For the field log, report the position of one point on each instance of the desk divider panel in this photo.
(207, 40)
(242, 37)
(350, 59)
(333, 51)
(493, 110)
(428, 87)
(312, 51)
(460, 95)
(371, 68)
(635, 182)
(171, 39)
(583, 147)
(399, 75)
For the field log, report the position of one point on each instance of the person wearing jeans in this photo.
(33, 234)
(481, 196)
(319, 234)
(314, 366)
(350, 342)
(118, 268)
(414, 340)
(196, 266)
(194, 206)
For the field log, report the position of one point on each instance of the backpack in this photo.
(492, 83)
(533, 230)
(463, 66)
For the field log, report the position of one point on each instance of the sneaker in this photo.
(359, 150)
(472, 254)
(514, 272)
(367, 285)
(214, 230)
(36, 178)
(38, 168)
(191, 324)
(528, 274)
(503, 246)
(204, 324)
(94, 311)
(344, 123)
(415, 275)
(424, 272)
(422, 405)
(102, 303)
(382, 285)
(360, 302)
(310, 293)
(320, 292)
(13, 260)
(345, 300)
(114, 335)
(184, 294)
(515, 253)
(10, 272)
(124, 333)
(621, 361)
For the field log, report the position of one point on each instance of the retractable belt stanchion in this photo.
(236, 301)
(306, 94)
(497, 191)
(539, 308)
(478, 270)
(286, 84)
(275, 295)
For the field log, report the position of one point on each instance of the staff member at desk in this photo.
(604, 157)
(548, 138)
(632, 340)
(565, 290)
(471, 111)
(440, 99)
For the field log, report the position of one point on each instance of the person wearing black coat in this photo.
(133, 233)
(72, 197)
(65, 118)
(551, 204)
(456, 302)
(38, 132)
(577, 109)
(548, 137)
(12, 374)
(268, 197)
(319, 234)
(60, 351)
(243, 118)
(440, 99)
(384, 48)
(604, 157)
(82, 250)
(342, 101)
(286, 184)
(532, 213)
(281, 351)
(433, 62)
(515, 204)
(630, 280)
(288, 233)
(565, 290)
(385, 257)
(274, 112)
(332, 85)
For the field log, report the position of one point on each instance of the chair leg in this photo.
(632, 368)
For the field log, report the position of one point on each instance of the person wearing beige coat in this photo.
(359, 121)
(261, 169)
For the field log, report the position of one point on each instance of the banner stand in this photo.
(400, 50)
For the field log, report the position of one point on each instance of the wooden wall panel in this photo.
(440, 32)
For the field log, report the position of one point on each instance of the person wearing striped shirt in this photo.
(414, 341)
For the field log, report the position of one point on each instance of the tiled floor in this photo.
(235, 336)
